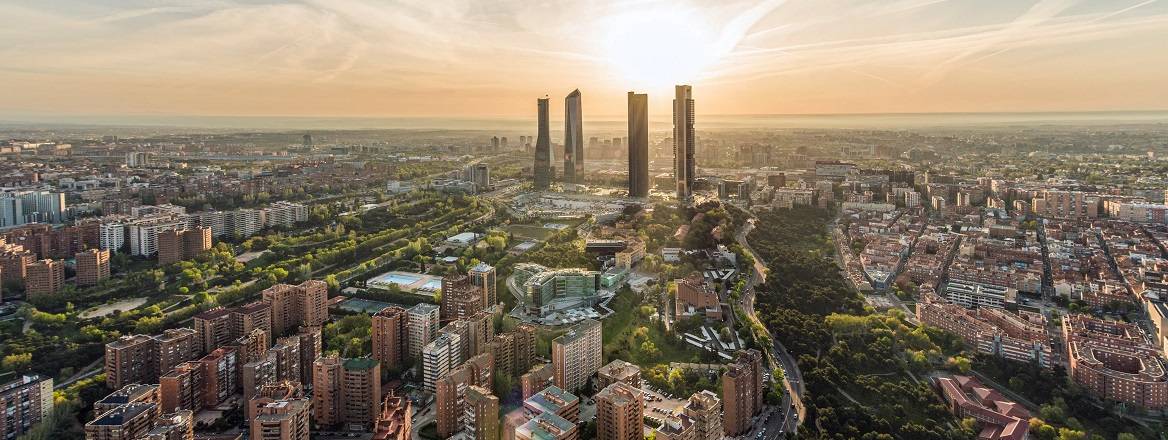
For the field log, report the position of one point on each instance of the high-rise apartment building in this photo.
(481, 415)
(705, 410)
(132, 393)
(24, 402)
(346, 391)
(294, 306)
(326, 392)
(127, 422)
(282, 420)
(483, 276)
(423, 320)
(620, 413)
(45, 277)
(542, 169)
(618, 371)
(287, 351)
(460, 298)
(256, 374)
(684, 143)
(361, 392)
(573, 139)
(220, 373)
(14, 261)
(310, 350)
(535, 379)
(577, 355)
(182, 387)
(450, 392)
(177, 425)
(638, 145)
(142, 358)
(439, 357)
(742, 392)
(93, 265)
(390, 328)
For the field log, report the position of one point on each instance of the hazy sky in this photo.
(480, 58)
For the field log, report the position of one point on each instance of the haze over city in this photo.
(121, 60)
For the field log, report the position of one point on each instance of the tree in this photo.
(962, 364)
(16, 362)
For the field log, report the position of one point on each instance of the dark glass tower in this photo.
(638, 145)
(543, 146)
(683, 141)
(573, 139)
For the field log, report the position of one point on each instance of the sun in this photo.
(659, 48)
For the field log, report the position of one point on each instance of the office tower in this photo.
(543, 160)
(577, 355)
(24, 402)
(390, 336)
(423, 323)
(573, 139)
(294, 306)
(618, 371)
(132, 393)
(683, 141)
(460, 298)
(258, 373)
(537, 378)
(705, 409)
(126, 422)
(620, 413)
(481, 413)
(482, 275)
(45, 277)
(638, 145)
(481, 176)
(396, 421)
(450, 392)
(282, 420)
(182, 388)
(177, 425)
(439, 357)
(93, 265)
(220, 370)
(310, 350)
(361, 392)
(742, 392)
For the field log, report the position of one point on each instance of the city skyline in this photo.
(775, 57)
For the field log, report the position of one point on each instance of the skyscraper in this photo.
(543, 145)
(638, 145)
(573, 139)
(683, 141)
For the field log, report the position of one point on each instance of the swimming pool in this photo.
(400, 278)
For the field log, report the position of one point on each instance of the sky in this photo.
(479, 58)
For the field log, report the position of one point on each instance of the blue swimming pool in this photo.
(403, 279)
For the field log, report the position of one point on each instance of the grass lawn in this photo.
(533, 232)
